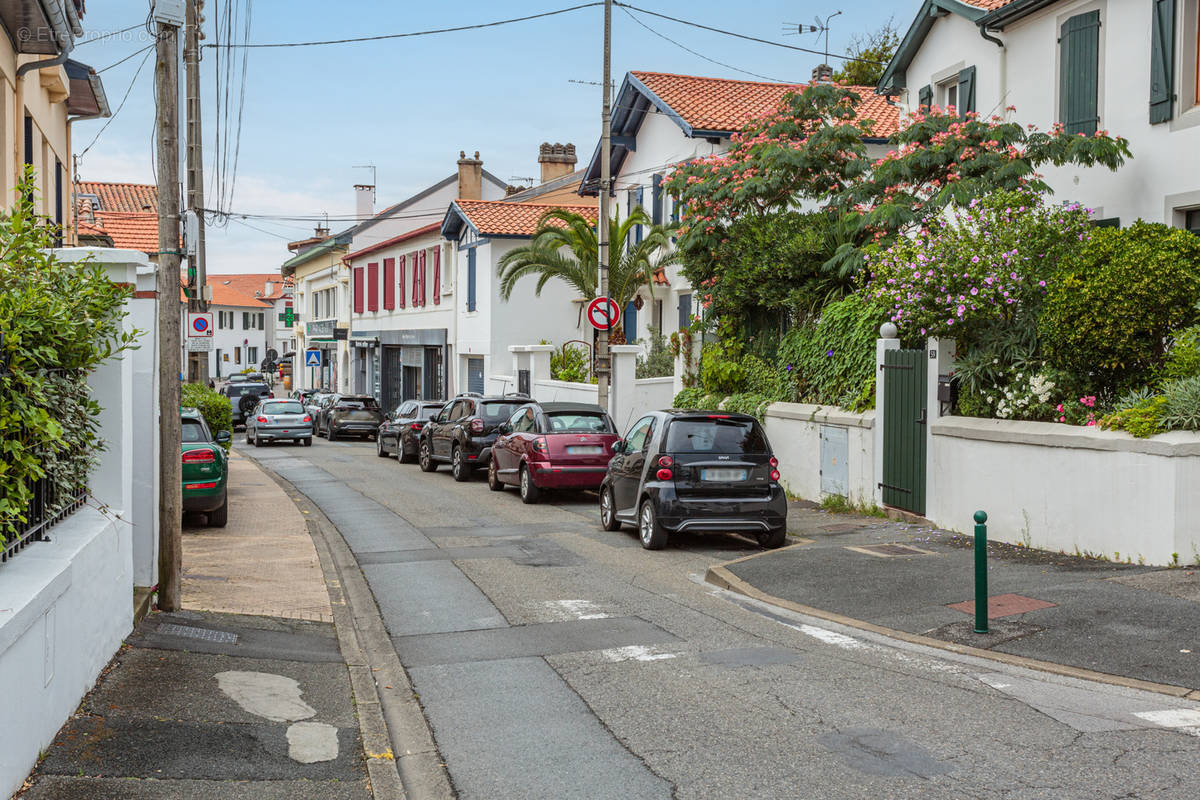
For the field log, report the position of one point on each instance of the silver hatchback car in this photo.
(279, 420)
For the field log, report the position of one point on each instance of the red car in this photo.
(552, 446)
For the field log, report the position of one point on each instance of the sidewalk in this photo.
(1138, 623)
(245, 694)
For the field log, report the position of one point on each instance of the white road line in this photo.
(635, 652)
(1184, 720)
(574, 609)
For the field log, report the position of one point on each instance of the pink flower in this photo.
(1091, 423)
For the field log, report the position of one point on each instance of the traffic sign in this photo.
(603, 313)
(199, 344)
(312, 358)
(200, 324)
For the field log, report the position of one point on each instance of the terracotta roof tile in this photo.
(989, 5)
(226, 296)
(501, 218)
(127, 231)
(252, 284)
(718, 104)
(135, 197)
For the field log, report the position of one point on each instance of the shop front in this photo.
(395, 366)
(322, 335)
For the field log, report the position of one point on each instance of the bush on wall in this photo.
(832, 361)
(215, 407)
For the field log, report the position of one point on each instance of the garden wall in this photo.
(823, 450)
(650, 394)
(1061, 487)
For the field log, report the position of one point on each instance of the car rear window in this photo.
(192, 431)
(498, 411)
(356, 403)
(239, 389)
(428, 412)
(286, 407)
(578, 422)
(715, 436)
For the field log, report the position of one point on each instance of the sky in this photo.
(408, 106)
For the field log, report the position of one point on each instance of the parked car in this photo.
(463, 432)
(315, 402)
(349, 415)
(694, 471)
(400, 430)
(279, 421)
(552, 446)
(237, 377)
(205, 468)
(244, 396)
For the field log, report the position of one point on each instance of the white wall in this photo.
(651, 394)
(431, 315)
(794, 430)
(550, 391)
(226, 339)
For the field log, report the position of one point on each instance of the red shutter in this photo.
(437, 275)
(358, 290)
(373, 286)
(389, 283)
(400, 283)
(416, 298)
(422, 277)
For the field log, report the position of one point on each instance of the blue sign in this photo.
(312, 358)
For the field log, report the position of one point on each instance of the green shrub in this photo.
(1181, 406)
(570, 364)
(212, 405)
(833, 361)
(1183, 359)
(768, 380)
(658, 362)
(1116, 301)
(689, 398)
(747, 403)
(1142, 419)
(721, 371)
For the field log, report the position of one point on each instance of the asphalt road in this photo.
(555, 660)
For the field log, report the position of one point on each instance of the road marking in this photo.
(635, 652)
(1184, 720)
(574, 609)
(310, 742)
(830, 637)
(264, 694)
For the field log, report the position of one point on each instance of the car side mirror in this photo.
(504, 428)
(619, 446)
(223, 437)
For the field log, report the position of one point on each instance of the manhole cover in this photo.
(892, 550)
(204, 634)
(1004, 605)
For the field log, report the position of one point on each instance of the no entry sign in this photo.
(603, 313)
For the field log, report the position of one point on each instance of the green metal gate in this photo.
(904, 421)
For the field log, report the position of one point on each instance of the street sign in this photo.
(312, 358)
(199, 344)
(603, 313)
(200, 324)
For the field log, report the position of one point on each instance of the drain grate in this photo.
(892, 550)
(203, 634)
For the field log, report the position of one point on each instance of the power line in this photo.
(744, 36)
(108, 121)
(230, 45)
(126, 58)
(108, 35)
(693, 52)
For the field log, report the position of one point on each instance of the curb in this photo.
(401, 755)
(722, 578)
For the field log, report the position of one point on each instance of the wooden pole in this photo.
(603, 362)
(170, 534)
(197, 362)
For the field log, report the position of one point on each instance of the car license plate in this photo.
(722, 474)
(584, 449)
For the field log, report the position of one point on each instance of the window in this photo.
(948, 95)
(1192, 221)
(437, 275)
(471, 279)
(522, 421)
(262, 321)
(251, 355)
(685, 310)
(925, 98)
(640, 434)
(715, 436)
(1162, 60)
(237, 355)
(631, 321)
(656, 199)
(1079, 74)
(400, 285)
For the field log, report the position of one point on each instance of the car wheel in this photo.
(649, 531)
(379, 451)
(249, 439)
(218, 518)
(494, 482)
(426, 459)
(529, 490)
(330, 433)
(608, 510)
(403, 456)
(257, 441)
(773, 538)
(308, 441)
(458, 465)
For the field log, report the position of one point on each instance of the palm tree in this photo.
(566, 247)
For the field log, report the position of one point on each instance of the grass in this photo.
(837, 504)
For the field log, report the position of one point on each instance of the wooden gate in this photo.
(904, 421)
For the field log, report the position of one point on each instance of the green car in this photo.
(205, 468)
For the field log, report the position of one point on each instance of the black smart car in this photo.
(464, 431)
(400, 430)
(694, 471)
(244, 396)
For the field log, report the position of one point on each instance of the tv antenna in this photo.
(370, 167)
(800, 28)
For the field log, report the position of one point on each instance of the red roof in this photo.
(135, 197)
(989, 5)
(223, 295)
(404, 237)
(719, 104)
(500, 218)
(253, 284)
(127, 231)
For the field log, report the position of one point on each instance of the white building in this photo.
(1130, 67)
(661, 120)
(239, 330)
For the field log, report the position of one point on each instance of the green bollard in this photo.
(981, 587)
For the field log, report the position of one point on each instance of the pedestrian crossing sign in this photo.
(312, 358)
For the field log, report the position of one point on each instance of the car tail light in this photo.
(718, 416)
(477, 425)
(416, 426)
(307, 418)
(540, 446)
(199, 457)
(261, 419)
(212, 485)
(774, 462)
(774, 474)
(666, 461)
(665, 474)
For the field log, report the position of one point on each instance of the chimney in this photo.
(822, 73)
(556, 159)
(470, 177)
(364, 201)
(321, 232)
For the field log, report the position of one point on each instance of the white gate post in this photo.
(624, 372)
(941, 362)
(887, 341)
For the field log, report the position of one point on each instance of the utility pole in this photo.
(603, 361)
(198, 271)
(166, 100)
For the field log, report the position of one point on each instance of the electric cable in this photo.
(693, 52)
(108, 121)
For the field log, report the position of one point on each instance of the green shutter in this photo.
(925, 95)
(966, 91)
(1079, 73)
(1162, 61)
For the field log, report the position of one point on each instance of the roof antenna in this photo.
(799, 29)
